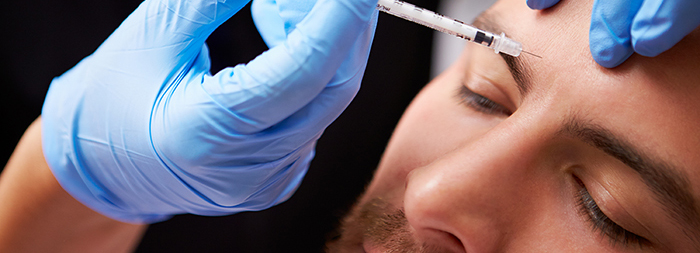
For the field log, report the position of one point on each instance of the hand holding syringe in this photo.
(499, 43)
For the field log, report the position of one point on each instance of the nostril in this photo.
(459, 247)
(433, 240)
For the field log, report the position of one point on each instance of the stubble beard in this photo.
(382, 225)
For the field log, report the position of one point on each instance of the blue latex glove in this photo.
(140, 130)
(647, 27)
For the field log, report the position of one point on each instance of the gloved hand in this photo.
(140, 130)
(622, 27)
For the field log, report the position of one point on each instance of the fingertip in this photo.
(650, 31)
(651, 47)
(610, 56)
(608, 49)
(541, 4)
(609, 37)
(653, 38)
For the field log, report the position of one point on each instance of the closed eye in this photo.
(600, 222)
(480, 103)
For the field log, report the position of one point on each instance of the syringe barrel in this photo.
(450, 26)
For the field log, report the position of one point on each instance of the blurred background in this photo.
(44, 38)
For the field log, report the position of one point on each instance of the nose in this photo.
(472, 198)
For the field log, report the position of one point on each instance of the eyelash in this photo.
(480, 103)
(600, 221)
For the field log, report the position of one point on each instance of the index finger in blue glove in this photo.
(659, 25)
(281, 81)
(610, 38)
(541, 4)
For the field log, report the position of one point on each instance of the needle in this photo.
(532, 54)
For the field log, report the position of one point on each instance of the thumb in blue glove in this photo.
(647, 27)
(541, 4)
(140, 130)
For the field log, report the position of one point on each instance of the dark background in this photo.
(42, 39)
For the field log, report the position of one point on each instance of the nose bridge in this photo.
(473, 192)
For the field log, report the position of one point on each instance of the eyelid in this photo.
(612, 207)
(485, 67)
(488, 88)
(480, 103)
(613, 210)
(601, 223)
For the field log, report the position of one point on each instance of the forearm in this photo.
(37, 215)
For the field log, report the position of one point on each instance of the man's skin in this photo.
(530, 169)
(37, 215)
(478, 164)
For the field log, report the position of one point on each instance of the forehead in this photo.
(650, 101)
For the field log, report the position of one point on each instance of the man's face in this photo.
(563, 156)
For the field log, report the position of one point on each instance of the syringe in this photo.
(450, 26)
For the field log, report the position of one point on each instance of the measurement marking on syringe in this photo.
(499, 43)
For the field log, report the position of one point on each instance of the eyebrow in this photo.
(670, 187)
(519, 71)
